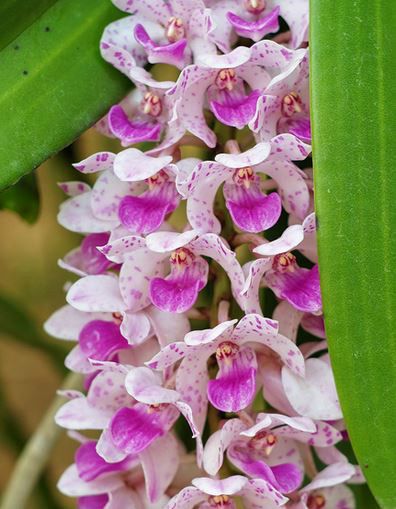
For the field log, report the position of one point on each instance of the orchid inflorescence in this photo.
(173, 267)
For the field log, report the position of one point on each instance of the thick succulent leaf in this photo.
(53, 83)
(353, 104)
(13, 19)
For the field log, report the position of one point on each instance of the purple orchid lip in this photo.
(100, 339)
(179, 291)
(300, 287)
(284, 477)
(145, 213)
(94, 261)
(250, 209)
(93, 501)
(131, 132)
(235, 109)
(301, 128)
(172, 53)
(258, 28)
(235, 384)
(134, 429)
(174, 296)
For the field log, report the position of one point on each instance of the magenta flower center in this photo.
(244, 176)
(226, 351)
(226, 79)
(284, 262)
(219, 501)
(263, 441)
(255, 6)
(158, 179)
(175, 29)
(151, 104)
(182, 257)
(316, 501)
(291, 104)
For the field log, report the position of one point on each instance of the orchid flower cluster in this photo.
(192, 397)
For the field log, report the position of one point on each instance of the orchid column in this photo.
(167, 313)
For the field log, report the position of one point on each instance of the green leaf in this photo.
(54, 84)
(363, 497)
(22, 198)
(13, 21)
(353, 103)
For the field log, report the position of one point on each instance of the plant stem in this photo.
(13, 437)
(35, 455)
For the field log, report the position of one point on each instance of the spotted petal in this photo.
(138, 268)
(202, 187)
(259, 493)
(100, 161)
(119, 47)
(96, 293)
(213, 246)
(289, 240)
(144, 385)
(67, 322)
(218, 443)
(134, 165)
(187, 498)
(76, 215)
(334, 474)
(255, 328)
(315, 395)
(284, 478)
(191, 382)
(292, 187)
(159, 474)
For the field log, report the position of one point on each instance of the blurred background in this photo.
(31, 288)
